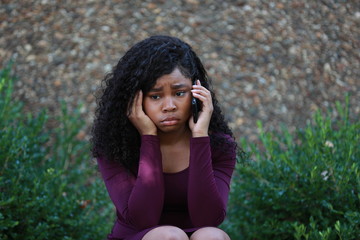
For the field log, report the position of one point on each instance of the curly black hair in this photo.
(113, 135)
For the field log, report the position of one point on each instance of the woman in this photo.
(167, 173)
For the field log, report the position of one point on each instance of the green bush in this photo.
(47, 184)
(302, 187)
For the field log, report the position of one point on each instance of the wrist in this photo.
(149, 132)
(200, 134)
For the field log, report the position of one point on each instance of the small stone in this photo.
(57, 83)
(160, 28)
(214, 55)
(105, 28)
(293, 50)
(151, 6)
(247, 8)
(327, 68)
(30, 58)
(257, 100)
(28, 47)
(259, 36)
(298, 4)
(43, 44)
(240, 121)
(280, 6)
(195, 2)
(59, 36)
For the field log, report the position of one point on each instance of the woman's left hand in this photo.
(200, 129)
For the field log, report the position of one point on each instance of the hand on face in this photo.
(200, 129)
(139, 119)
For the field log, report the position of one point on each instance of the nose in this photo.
(168, 105)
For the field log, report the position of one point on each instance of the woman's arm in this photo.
(209, 182)
(139, 200)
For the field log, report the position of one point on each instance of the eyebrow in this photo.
(174, 86)
(156, 89)
(179, 85)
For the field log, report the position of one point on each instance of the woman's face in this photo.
(168, 102)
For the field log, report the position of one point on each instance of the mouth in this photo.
(169, 121)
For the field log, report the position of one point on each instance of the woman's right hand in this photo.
(139, 119)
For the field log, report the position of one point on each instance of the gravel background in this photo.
(274, 61)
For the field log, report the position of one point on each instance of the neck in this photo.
(174, 137)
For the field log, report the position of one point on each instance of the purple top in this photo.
(154, 198)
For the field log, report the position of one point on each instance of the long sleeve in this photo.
(209, 182)
(139, 200)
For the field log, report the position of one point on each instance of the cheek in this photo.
(150, 109)
(187, 107)
(147, 107)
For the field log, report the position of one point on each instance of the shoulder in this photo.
(106, 164)
(218, 139)
(223, 144)
(110, 168)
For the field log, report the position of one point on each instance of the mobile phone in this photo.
(195, 106)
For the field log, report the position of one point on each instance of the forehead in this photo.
(174, 77)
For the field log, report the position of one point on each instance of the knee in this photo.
(166, 233)
(210, 233)
(206, 236)
(174, 233)
(215, 237)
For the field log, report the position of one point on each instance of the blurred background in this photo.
(273, 61)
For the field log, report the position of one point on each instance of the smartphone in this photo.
(196, 106)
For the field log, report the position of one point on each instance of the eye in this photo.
(180, 93)
(155, 97)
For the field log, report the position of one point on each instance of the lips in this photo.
(169, 121)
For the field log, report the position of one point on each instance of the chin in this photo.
(173, 129)
(167, 129)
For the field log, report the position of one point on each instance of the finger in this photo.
(199, 88)
(201, 93)
(197, 83)
(132, 108)
(138, 108)
(206, 101)
(139, 99)
(204, 96)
